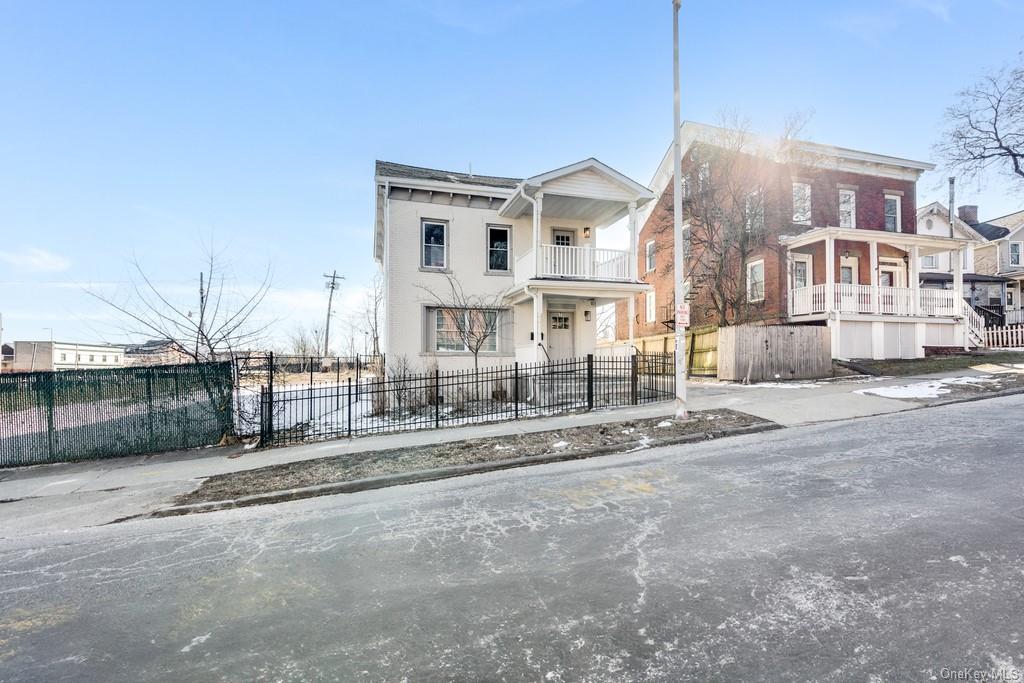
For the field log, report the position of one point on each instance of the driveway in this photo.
(872, 549)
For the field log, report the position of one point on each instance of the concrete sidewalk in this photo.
(71, 495)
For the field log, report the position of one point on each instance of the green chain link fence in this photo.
(89, 414)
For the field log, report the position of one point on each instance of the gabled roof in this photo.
(389, 169)
(592, 164)
(939, 209)
(997, 228)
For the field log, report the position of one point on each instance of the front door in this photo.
(560, 335)
(849, 277)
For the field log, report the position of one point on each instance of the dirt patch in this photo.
(617, 436)
(925, 366)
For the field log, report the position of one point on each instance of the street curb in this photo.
(436, 474)
(972, 399)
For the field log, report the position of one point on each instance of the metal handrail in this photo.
(546, 354)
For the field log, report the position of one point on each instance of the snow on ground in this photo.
(928, 389)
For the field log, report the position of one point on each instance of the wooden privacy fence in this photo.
(773, 352)
(1011, 337)
(701, 349)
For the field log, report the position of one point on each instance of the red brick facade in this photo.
(825, 185)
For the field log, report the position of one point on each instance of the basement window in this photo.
(755, 281)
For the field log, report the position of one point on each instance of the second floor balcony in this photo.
(588, 263)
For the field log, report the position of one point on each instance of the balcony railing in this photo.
(862, 299)
(574, 263)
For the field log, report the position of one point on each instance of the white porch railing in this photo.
(575, 263)
(861, 299)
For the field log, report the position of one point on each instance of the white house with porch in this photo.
(866, 286)
(528, 244)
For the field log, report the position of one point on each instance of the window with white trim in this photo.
(801, 270)
(893, 215)
(453, 328)
(929, 262)
(847, 209)
(703, 176)
(649, 256)
(1015, 253)
(63, 356)
(802, 203)
(755, 281)
(649, 307)
(753, 212)
(434, 242)
(498, 248)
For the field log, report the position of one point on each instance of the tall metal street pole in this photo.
(332, 284)
(682, 312)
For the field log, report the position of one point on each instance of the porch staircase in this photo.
(975, 324)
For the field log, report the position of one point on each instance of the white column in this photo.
(915, 280)
(632, 321)
(873, 248)
(830, 274)
(790, 283)
(538, 209)
(538, 324)
(958, 294)
(632, 242)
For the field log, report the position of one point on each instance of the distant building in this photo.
(50, 355)
(6, 357)
(156, 352)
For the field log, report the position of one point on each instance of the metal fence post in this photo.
(348, 393)
(270, 397)
(149, 403)
(515, 389)
(437, 398)
(49, 414)
(633, 379)
(590, 381)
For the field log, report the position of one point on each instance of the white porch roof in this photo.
(927, 244)
(587, 190)
(602, 292)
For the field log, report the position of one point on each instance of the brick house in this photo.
(811, 200)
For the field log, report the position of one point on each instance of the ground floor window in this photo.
(464, 330)
(651, 313)
(755, 281)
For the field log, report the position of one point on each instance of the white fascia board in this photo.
(441, 186)
(604, 169)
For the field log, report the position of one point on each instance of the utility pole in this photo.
(682, 312)
(332, 284)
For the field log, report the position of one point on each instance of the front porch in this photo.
(866, 286)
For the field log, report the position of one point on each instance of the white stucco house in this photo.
(531, 244)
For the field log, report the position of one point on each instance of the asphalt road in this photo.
(887, 548)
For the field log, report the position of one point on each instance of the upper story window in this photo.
(753, 211)
(802, 203)
(104, 358)
(498, 250)
(755, 281)
(92, 358)
(847, 209)
(703, 176)
(685, 183)
(63, 356)
(435, 244)
(893, 217)
(1015, 253)
(649, 256)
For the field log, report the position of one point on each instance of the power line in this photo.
(332, 284)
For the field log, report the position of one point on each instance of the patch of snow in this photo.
(249, 446)
(560, 444)
(960, 560)
(499, 447)
(780, 385)
(198, 640)
(663, 423)
(928, 389)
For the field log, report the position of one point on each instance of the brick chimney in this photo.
(968, 214)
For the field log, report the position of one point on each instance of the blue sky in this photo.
(146, 130)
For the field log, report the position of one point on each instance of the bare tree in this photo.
(373, 312)
(305, 342)
(986, 127)
(735, 201)
(215, 322)
(471, 321)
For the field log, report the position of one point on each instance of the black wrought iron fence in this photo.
(83, 414)
(396, 400)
